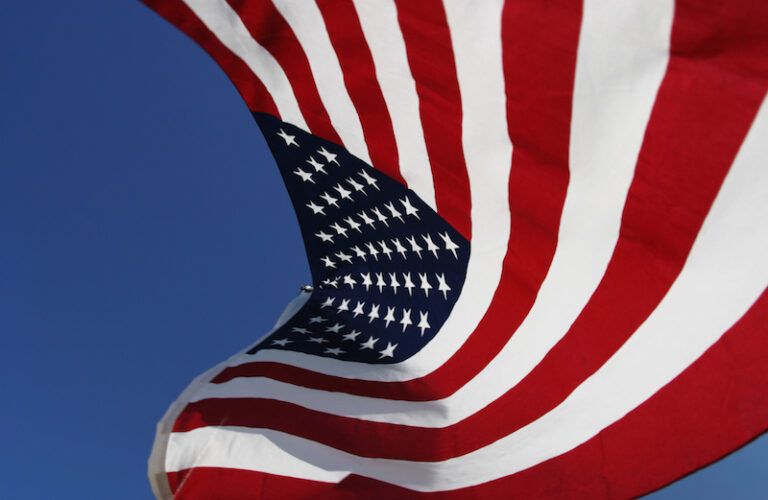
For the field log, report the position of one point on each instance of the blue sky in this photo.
(144, 236)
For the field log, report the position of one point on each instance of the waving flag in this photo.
(538, 240)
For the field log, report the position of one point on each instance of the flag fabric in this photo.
(538, 240)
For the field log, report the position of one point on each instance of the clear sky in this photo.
(144, 236)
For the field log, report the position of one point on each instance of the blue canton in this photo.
(387, 269)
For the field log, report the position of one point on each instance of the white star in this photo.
(316, 319)
(423, 325)
(372, 250)
(328, 302)
(442, 285)
(329, 157)
(408, 283)
(317, 209)
(366, 280)
(317, 340)
(388, 352)
(356, 185)
(366, 219)
(393, 282)
(317, 166)
(297, 329)
(305, 176)
(351, 335)
(339, 229)
(289, 139)
(380, 216)
(324, 236)
(374, 314)
(368, 344)
(409, 209)
(334, 283)
(390, 316)
(354, 225)
(399, 248)
(344, 306)
(449, 244)
(359, 252)
(431, 245)
(380, 281)
(414, 246)
(349, 280)
(344, 257)
(406, 321)
(328, 262)
(358, 310)
(368, 179)
(335, 328)
(425, 284)
(393, 211)
(330, 200)
(385, 250)
(335, 351)
(344, 193)
(281, 342)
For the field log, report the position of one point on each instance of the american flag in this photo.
(538, 242)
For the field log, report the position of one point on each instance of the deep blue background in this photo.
(144, 236)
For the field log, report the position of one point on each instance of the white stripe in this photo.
(264, 450)
(224, 22)
(725, 273)
(622, 56)
(307, 23)
(378, 19)
(488, 153)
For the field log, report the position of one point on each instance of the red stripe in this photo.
(430, 55)
(356, 62)
(268, 27)
(539, 64)
(250, 88)
(205, 483)
(648, 258)
(658, 442)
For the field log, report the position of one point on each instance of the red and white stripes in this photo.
(607, 161)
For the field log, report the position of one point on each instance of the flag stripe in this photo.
(224, 22)
(431, 59)
(309, 28)
(263, 21)
(359, 72)
(378, 20)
